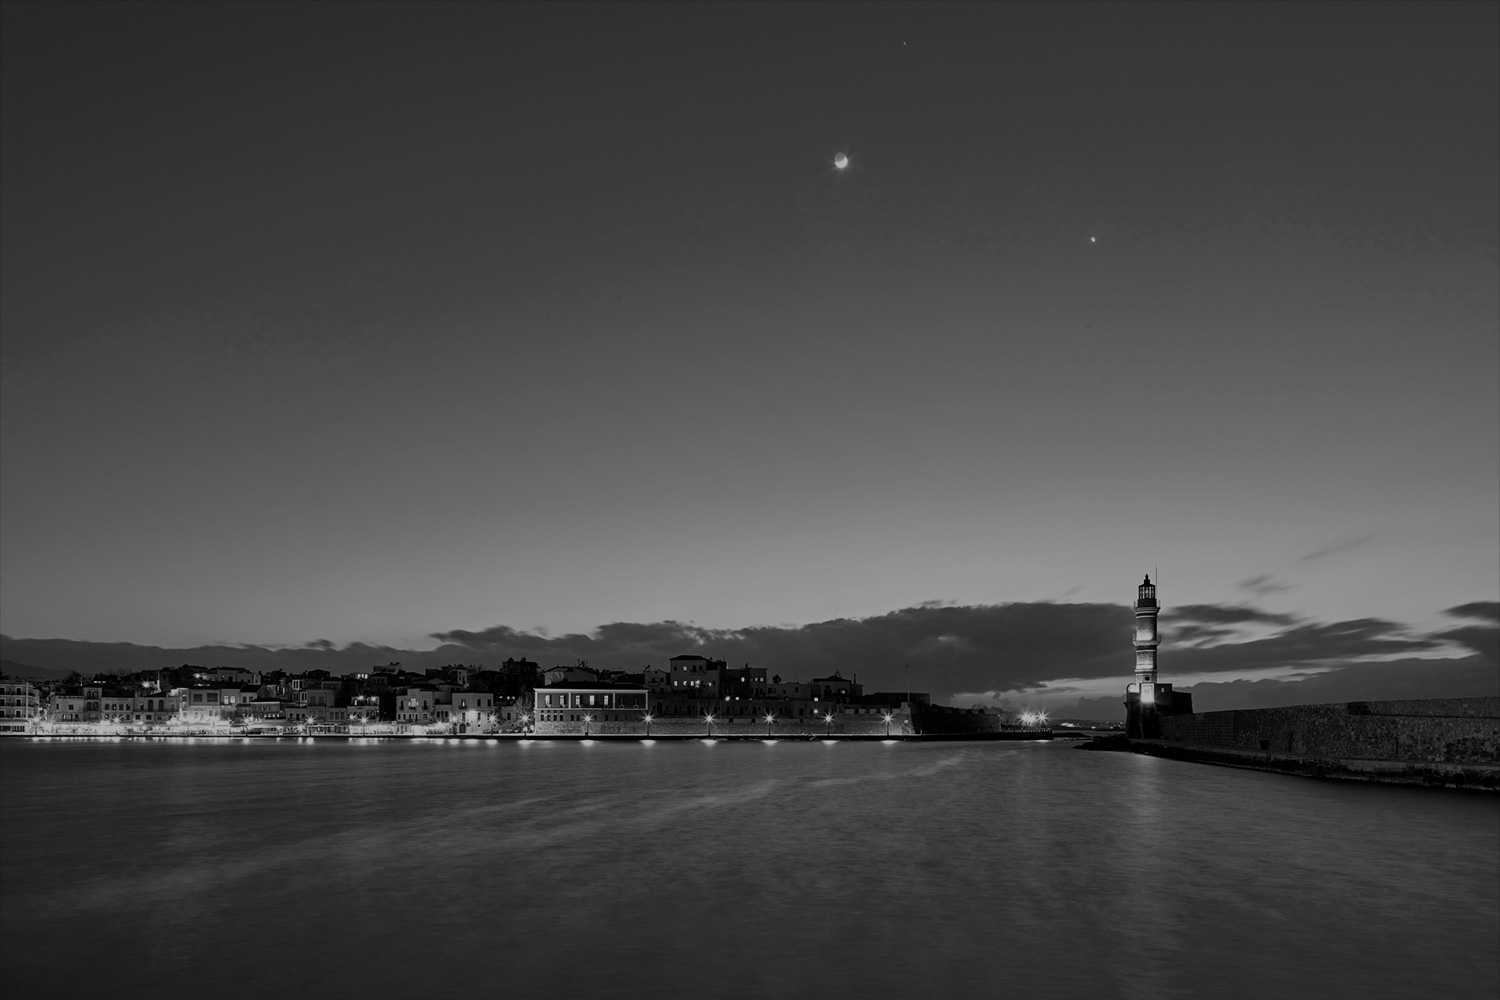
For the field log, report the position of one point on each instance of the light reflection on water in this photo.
(757, 869)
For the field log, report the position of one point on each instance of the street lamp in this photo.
(647, 717)
(828, 718)
(888, 723)
(708, 720)
(770, 718)
(586, 720)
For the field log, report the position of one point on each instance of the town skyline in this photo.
(1069, 659)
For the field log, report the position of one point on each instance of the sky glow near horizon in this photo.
(403, 336)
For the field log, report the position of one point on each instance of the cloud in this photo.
(1342, 545)
(1483, 639)
(1226, 614)
(1488, 611)
(1263, 585)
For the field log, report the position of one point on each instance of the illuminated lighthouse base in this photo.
(1145, 704)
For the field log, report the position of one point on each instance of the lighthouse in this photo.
(1147, 699)
(1146, 640)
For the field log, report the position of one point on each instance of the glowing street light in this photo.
(586, 720)
(647, 717)
(708, 720)
(828, 718)
(770, 718)
(888, 723)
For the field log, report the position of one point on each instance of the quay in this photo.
(1011, 735)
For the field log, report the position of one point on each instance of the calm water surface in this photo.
(727, 870)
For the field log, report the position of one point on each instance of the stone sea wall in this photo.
(862, 722)
(850, 725)
(1435, 731)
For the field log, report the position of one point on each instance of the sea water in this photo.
(706, 870)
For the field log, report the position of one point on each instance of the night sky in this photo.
(362, 323)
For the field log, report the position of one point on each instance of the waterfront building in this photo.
(579, 708)
(150, 709)
(205, 706)
(262, 712)
(76, 705)
(323, 706)
(512, 713)
(364, 708)
(467, 711)
(115, 706)
(417, 707)
(20, 706)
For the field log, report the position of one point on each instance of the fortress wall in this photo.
(1438, 730)
(958, 721)
(857, 724)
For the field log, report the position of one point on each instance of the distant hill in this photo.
(22, 671)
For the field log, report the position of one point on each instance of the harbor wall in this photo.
(1429, 731)
(931, 721)
(843, 725)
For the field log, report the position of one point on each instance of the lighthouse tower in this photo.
(1147, 699)
(1146, 640)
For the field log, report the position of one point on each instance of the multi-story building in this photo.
(835, 689)
(233, 675)
(745, 683)
(657, 680)
(20, 706)
(364, 708)
(417, 707)
(467, 711)
(323, 706)
(148, 709)
(116, 706)
(93, 705)
(696, 676)
(512, 714)
(76, 705)
(213, 706)
(570, 708)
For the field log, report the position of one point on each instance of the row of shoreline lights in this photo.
(708, 721)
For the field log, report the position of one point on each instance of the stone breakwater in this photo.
(747, 728)
(1452, 742)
